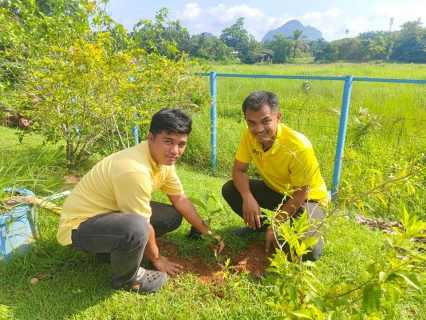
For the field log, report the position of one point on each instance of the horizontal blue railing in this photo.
(343, 115)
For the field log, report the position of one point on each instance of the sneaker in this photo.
(146, 281)
(245, 231)
(193, 234)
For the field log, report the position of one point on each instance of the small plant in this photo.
(294, 290)
(210, 204)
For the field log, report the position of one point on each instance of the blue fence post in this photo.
(341, 136)
(135, 131)
(74, 112)
(213, 117)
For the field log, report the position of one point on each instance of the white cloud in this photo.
(192, 12)
(330, 33)
(231, 14)
(333, 13)
(319, 19)
(355, 26)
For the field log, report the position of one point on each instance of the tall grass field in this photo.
(385, 134)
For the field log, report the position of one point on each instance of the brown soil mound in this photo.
(253, 259)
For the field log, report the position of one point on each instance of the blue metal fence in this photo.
(348, 82)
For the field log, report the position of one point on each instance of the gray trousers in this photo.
(120, 238)
(270, 199)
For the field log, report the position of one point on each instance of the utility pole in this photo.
(390, 24)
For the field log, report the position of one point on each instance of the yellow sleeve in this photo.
(172, 184)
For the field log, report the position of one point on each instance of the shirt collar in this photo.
(275, 147)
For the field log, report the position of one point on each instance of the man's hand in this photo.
(270, 240)
(214, 248)
(251, 212)
(164, 265)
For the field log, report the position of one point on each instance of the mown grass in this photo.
(76, 286)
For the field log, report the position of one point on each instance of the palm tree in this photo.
(297, 40)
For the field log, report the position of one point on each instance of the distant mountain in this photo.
(287, 30)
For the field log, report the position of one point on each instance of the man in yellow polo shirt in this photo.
(289, 172)
(110, 213)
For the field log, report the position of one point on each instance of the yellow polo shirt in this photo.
(290, 162)
(122, 182)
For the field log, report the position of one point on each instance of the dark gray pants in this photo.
(120, 238)
(270, 199)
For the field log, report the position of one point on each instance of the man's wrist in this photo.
(283, 216)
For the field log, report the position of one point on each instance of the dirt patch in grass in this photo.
(253, 259)
(72, 179)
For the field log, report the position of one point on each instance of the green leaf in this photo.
(392, 295)
(292, 291)
(332, 316)
(410, 278)
(198, 202)
(319, 303)
(371, 298)
(304, 314)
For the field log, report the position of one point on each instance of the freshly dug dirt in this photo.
(254, 259)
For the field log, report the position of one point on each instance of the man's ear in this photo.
(150, 137)
(278, 116)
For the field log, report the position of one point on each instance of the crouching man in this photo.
(288, 170)
(110, 213)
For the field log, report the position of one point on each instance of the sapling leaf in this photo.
(209, 238)
(207, 222)
(392, 294)
(371, 298)
(292, 291)
(319, 303)
(410, 278)
(303, 313)
(198, 202)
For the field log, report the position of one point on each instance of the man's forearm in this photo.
(241, 183)
(151, 249)
(293, 204)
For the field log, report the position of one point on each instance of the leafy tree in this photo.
(323, 50)
(249, 50)
(43, 7)
(282, 48)
(234, 35)
(89, 88)
(238, 38)
(163, 36)
(380, 48)
(209, 48)
(297, 37)
(410, 43)
(372, 35)
(353, 49)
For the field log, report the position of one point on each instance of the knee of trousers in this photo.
(136, 230)
(174, 221)
(229, 191)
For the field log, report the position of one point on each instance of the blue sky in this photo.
(331, 17)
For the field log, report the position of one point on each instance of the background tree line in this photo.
(171, 39)
(405, 45)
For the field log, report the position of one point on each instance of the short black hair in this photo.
(170, 121)
(257, 99)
